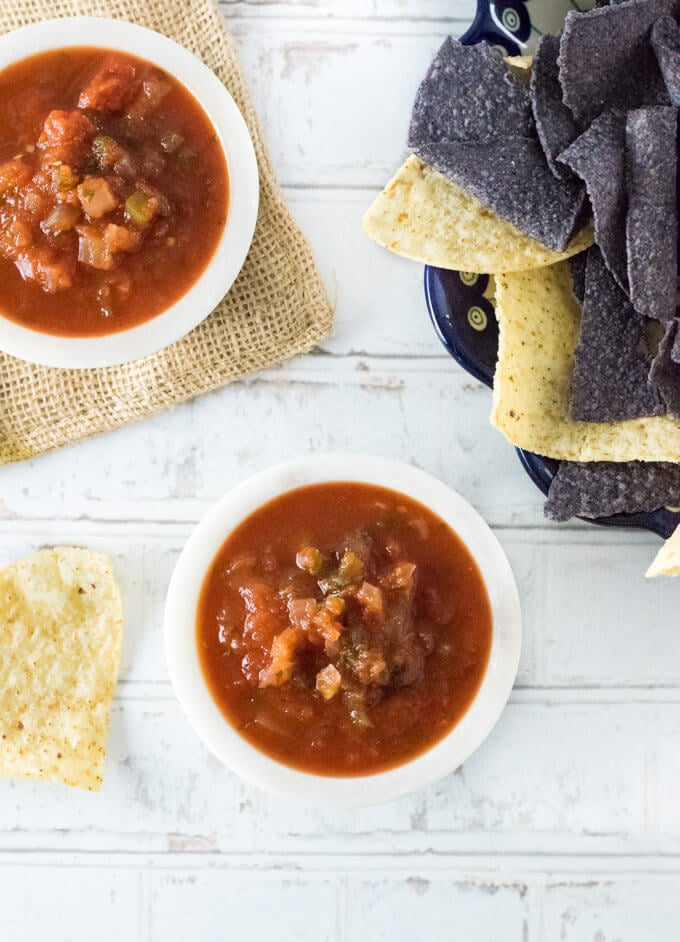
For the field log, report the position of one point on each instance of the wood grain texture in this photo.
(565, 824)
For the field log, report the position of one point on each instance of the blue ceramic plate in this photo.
(460, 303)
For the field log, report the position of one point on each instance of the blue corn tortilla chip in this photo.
(554, 121)
(610, 381)
(469, 94)
(675, 349)
(512, 178)
(652, 221)
(601, 488)
(577, 264)
(665, 372)
(607, 61)
(598, 158)
(666, 45)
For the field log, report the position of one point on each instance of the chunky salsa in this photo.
(113, 192)
(343, 628)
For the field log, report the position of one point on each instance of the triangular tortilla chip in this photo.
(60, 638)
(423, 216)
(667, 560)
(538, 319)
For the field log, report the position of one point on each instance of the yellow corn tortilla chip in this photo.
(667, 560)
(60, 638)
(538, 321)
(425, 217)
(520, 65)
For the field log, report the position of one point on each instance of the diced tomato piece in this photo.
(14, 174)
(113, 87)
(280, 670)
(152, 93)
(66, 137)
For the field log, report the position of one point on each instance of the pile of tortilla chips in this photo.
(563, 183)
(60, 639)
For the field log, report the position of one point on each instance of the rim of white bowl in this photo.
(246, 760)
(232, 249)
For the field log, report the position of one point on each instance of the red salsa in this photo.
(113, 192)
(343, 629)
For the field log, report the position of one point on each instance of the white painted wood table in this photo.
(566, 824)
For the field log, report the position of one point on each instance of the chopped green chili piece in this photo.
(141, 208)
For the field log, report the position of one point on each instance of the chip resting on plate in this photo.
(423, 216)
(60, 640)
(538, 318)
(511, 177)
(667, 561)
(611, 362)
(666, 44)
(554, 121)
(607, 60)
(652, 221)
(602, 488)
(598, 157)
(469, 94)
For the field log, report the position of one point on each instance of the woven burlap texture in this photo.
(276, 309)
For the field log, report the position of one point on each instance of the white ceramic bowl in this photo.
(203, 713)
(221, 272)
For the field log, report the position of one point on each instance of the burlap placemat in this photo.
(276, 309)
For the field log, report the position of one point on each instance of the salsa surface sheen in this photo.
(113, 192)
(343, 629)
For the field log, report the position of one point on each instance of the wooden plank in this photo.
(335, 102)
(174, 466)
(378, 297)
(636, 909)
(556, 777)
(206, 906)
(74, 905)
(457, 14)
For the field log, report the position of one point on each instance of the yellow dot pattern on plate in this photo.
(477, 318)
(468, 277)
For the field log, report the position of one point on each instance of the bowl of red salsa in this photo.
(128, 192)
(343, 629)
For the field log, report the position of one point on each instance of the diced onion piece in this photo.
(301, 612)
(96, 197)
(47, 271)
(328, 681)
(93, 249)
(280, 670)
(63, 218)
(171, 143)
(370, 598)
